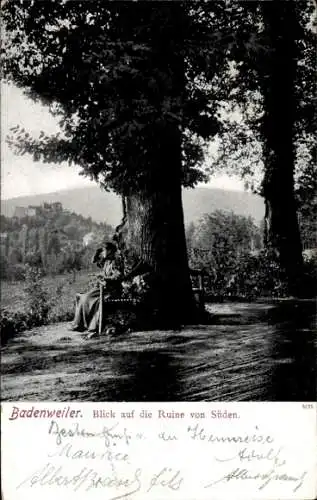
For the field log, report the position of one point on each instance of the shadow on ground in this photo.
(252, 352)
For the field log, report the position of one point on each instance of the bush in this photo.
(16, 272)
(12, 323)
(221, 242)
(43, 305)
(247, 277)
(38, 300)
(259, 276)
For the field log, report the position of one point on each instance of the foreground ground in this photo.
(253, 352)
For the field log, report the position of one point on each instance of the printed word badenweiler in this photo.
(66, 412)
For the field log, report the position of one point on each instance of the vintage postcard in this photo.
(158, 250)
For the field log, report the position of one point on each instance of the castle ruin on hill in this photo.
(34, 210)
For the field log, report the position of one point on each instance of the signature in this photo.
(69, 451)
(87, 479)
(167, 478)
(264, 477)
(251, 455)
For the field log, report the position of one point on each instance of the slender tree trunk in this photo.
(282, 231)
(24, 237)
(43, 237)
(7, 245)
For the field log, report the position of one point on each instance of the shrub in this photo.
(248, 277)
(43, 305)
(16, 272)
(38, 300)
(12, 323)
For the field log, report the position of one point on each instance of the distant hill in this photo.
(89, 202)
(105, 207)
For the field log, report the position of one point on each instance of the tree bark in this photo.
(153, 229)
(154, 233)
(282, 230)
(153, 226)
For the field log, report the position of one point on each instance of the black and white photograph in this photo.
(158, 201)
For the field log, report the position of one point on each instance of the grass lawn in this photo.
(61, 290)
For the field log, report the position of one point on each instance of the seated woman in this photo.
(87, 306)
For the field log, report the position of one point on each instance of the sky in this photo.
(20, 175)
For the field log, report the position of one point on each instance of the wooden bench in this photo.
(199, 294)
(111, 301)
(199, 287)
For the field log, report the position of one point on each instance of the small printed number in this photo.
(307, 406)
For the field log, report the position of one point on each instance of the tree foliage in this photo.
(222, 243)
(101, 67)
(96, 66)
(229, 248)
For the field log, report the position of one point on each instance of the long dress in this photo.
(87, 304)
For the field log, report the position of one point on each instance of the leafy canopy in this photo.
(120, 76)
(118, 73)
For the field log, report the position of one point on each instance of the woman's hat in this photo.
(112, 247)
(97, 255)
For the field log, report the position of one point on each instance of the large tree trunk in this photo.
(155, 234)
(282, 231)
(153, 229)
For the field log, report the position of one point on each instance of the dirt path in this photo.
(247, 355)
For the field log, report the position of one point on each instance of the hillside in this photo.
(106, 207)
(50, 238)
